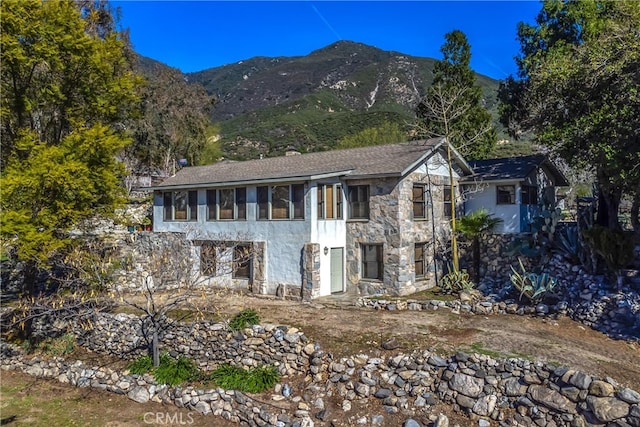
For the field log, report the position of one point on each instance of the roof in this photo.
(515, 168)
(378, 160)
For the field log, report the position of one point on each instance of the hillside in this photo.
(268, 105)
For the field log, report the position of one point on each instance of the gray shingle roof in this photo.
(514, 168)
(379, 160)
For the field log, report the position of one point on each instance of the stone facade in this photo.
(391, 224)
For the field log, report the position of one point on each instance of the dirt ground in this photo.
(342, 329)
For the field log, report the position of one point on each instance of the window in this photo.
(241, 262)
(330, 201)
(180, 205)
(506, 194)
(419, 201)
(227, 204)
(372, 262)
(358, 201)
(446, 201)
(208, 263)
(420, 257)
(529, 195)
(281, 202)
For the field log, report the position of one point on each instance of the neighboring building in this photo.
(363, 220)
(513, 189)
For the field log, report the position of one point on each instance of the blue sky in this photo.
(195, 35)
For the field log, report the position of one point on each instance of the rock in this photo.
(551, 399)
(139, 394)
(607, 408)
(382, 393)
(466, 384)
(485, 405)
(390, 344)
(203, 407)
(580, 380)
(600, 388)
(464, 401)
(628, 395)
(411, 423)
(513, 387)
(441, 421)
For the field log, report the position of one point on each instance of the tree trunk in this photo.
(154, 349)
(476, 259)
(608, 204)
(635, 214)
(29, 286)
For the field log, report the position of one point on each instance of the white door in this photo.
(337, 270)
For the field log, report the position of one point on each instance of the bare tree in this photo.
(444, 106)
(175, 270)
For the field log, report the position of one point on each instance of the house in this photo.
(364, 220)
(513, 189)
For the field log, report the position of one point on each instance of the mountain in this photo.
(265, 106)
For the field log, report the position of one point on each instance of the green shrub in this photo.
(254, 380)
(170, 371)
(456, 281)
(141, 365)
(243, 319)
(175, 371)
(531, 285)
(58, 346)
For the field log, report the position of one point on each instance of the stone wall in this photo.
(391, 224)
(513, 391)
(209, 344)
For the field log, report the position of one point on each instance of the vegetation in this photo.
(532, 285)
(451, 109)
(577, 89)
(466, 123)
(386, 133)
(456, 281)
(170, 371)
(64, 98)
(173, 121)
(243, 319)
(254, 380)
(615, 247)
(474, 226)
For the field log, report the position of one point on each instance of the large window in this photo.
(227, 203)
(329, 201)
(241, 261)
(529, 195)
(180, 205)
(419, 201)
(358, 201)
(281, 202)
(420, 258)
(208, 264)
(506, 194)
(372, 262)
(446, 201)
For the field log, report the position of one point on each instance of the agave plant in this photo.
(531, 285)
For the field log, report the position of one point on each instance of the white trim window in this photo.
(358, 201)
(180, 205)
(227, 204)
(281, 202)
(329, 201)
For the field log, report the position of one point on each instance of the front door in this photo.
(337, 270)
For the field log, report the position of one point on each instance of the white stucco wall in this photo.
(486, 198)
(284, 238)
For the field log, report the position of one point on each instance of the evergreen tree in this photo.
(470, 129)
(577, 89)
(66, 89)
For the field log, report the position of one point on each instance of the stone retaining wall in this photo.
(513, 392)
(208, 344)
